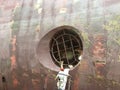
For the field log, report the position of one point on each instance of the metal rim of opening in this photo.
(66, 46)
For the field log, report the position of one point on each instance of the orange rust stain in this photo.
(98, 49)
(13, 62)
(15, 81)
(13, 43)
(14, 40)
(99, 68)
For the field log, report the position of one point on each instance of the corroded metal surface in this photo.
(26, 27)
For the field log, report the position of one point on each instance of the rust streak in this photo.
(13, 62)
(76, 83)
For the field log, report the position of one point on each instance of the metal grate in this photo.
(66, 46)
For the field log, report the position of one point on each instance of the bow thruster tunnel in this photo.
(63, 44)
(66, 46)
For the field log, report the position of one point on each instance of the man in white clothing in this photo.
(62, 77)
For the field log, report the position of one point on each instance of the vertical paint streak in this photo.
(13, 57)
(14, 43)
(53, 12)
(70, 11)
(76, 82)
(30, 16)
(14, 49)
(104, 23)
(45, 83)
(88, 12)
(15, 81)
(42, 16)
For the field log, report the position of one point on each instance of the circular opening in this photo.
(66, 46)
